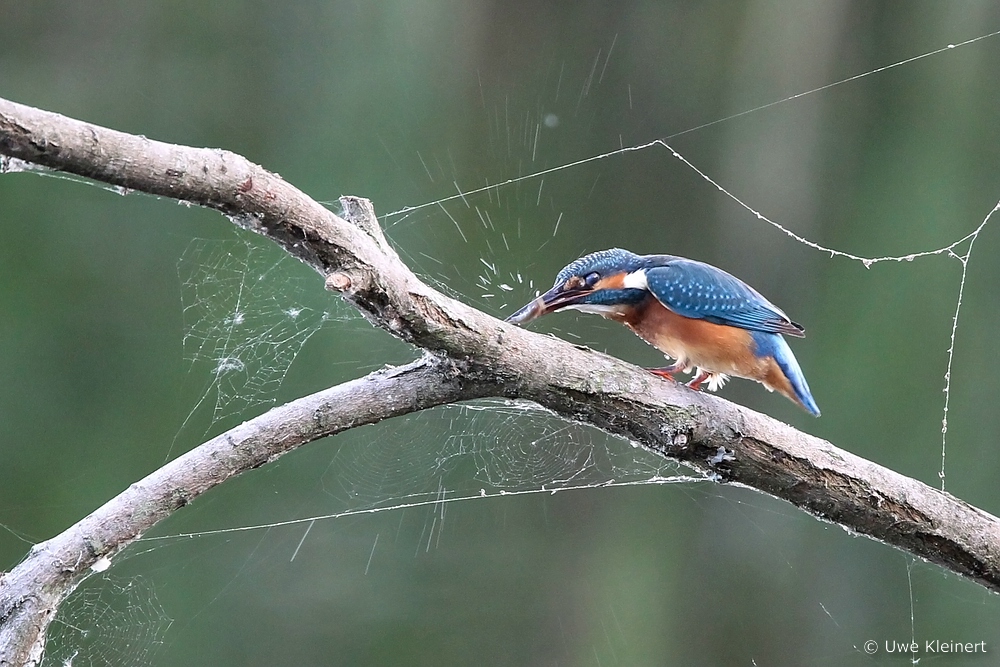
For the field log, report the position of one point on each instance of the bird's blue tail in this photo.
(774, 345)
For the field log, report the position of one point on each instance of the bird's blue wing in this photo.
(701, 291)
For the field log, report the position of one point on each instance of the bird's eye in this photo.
(592, 279)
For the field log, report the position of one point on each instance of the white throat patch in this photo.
(635, 280)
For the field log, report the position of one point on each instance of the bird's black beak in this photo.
(556, 298)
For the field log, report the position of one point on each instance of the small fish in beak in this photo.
(531, 311)
(560, 296)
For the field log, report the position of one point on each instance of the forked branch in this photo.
(469, 355)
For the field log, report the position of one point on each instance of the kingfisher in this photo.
(708, 321)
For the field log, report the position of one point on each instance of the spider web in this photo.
(247, 315)
(507, 447)
(108, 622)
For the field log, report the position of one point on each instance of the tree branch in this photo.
(472, 355)
(30, 595)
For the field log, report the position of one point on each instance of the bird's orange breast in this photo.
(713, 347)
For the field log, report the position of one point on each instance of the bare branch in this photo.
(475, 355)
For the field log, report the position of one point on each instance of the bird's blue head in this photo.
(596, 283)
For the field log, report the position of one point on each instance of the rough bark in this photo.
(469, 354)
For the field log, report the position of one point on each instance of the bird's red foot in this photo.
(697, 380)
(666, 371)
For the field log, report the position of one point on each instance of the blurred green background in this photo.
(116, 312)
